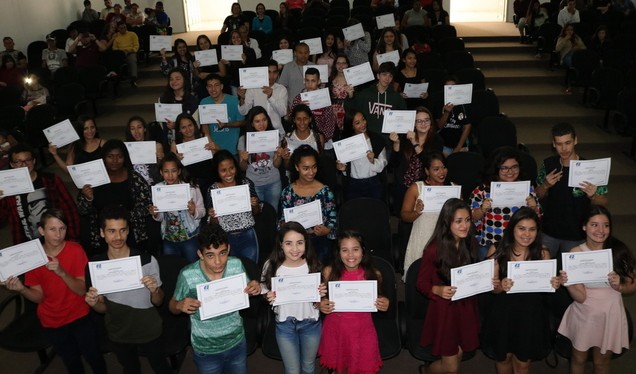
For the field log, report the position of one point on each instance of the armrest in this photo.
(16, 299)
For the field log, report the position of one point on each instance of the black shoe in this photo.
(133, 83)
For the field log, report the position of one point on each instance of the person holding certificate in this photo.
(132, 319)
(349, 342)
(305, 188)
(87, 148)
(181, 58)
(516, 326)
(364, 174)
(298, 325)
(138, 130)
(219, 342)
(407, 72)
(388, 42)
(339, 88)
(58, 288)
(178, 91)
(358, 50)
(454, 125)
(291, 75)
(239, 226)
(201, 72)
(490, 220)
(248, 59)
(450, 327)
(596, 319)
(303, 132)
(329, 50)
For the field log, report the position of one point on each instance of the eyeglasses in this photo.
(419, 121)
(22, 162)
(506, 169)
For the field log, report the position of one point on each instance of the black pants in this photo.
(128, 356)
(74, 340)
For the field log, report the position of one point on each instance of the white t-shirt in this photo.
(300, 311)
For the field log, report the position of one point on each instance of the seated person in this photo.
(53, 58)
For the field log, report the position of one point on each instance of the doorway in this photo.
(202, 15)
(478, 11)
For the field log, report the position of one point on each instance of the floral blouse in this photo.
(289, 199)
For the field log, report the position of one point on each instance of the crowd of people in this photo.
(120, 219)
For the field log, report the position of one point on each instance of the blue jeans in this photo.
(244, 243)
(270, 193)
(186, 249)
(298, 343)
(232, 361)
(74, 340)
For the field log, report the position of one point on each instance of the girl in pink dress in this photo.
(349, 342)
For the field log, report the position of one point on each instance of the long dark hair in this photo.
(168, 94)
(300, 152)
(397, 41)
(178, 137)
(338, 267)
(177, 56)
(506, 247)
(401, 65)
(129, 137)
(249, 125)
(347, 126)
(407, 147)
(334, 69)
(79, 128)
(427, 158)
(220, 156)
(203, 36)
(277, 257)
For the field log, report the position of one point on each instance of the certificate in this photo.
(359, 74)
(232, 52)
(308, 215)
(171, 197)
(283, 56)
(164, 112)
(222, 296)
(434, 197)
(323, 70)
(19, 259)
(472, 279)
(393, 56)
(159, 42)
(213, 113)
(317, 99)
(398, 121)
(458, 94)
(261, 141)
(384, 21)
(315, 45)
(354, 32)
(414, 90)
(194, 151)
(296, 289)
(231, 200)
(207, 57)
(254, 77)
(92, 173)
(351, 148)
(587, 267)
(532, 276)
(143, 153)
(353, 296)
(15, 182)
(509, 194)
(591, 171)
(121, 274)
(61, 134)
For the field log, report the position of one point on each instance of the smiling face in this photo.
(307, 168)
(182, 49)
(351, 253)
(213, 260)
(89, 130)
(410, 60)
(203, 44)
(597, 230)
(460, 226)
(186, 128)
(422, 123)
(302, 120)
(341, 64)
(170, 172)
(525, 233)
(509, 170)
(359, 123)
(436, 173)
(283, 44)
(260, 9)
(215, 89)
(293, 247)
(236, 38)
(137, 130)
(389, 38)
(227, 172)
(260, 122)
(54, 232)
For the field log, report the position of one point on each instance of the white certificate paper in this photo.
(323, 70)
(398, 121)
(253, 77)
(354, 32)
(532, 276)
(587, 267)
(317, 99)
(261, 141)
(296, 289)
(171, 197)
(61, 134)
(159, 42)
(222, 296)
(207, 57)
(509, 194)
(434, 197)
(15, 182)
(414, 90)
(283, 56)
(231, 200)
(315, 45)
(393, 56)
(353, 296)
(351, 148)
(213, 113)
(359, 74)
(92, 173)
(19, 259)
(593, 171)
(472, 279)
(232, 52)
(308, 215)
(384, 21)
(194, 151)
(121, 274)
(143, 153)
(458, 94)
(165, 112)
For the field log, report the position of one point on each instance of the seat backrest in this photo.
(386, 323)
(60, 38)
(472, 75)
(224, 38)
(249, 15)
(370, 217)
(265, 227)
(484, 104)
(273, 14)
(34, 53)
(494, 132)
(430, 60)
(251, 314)
(528, 166)
(450, 43)
(439, 32)
(455, 60)
(435, 78)
(466, 170)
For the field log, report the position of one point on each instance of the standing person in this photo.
(358, 50)
(132, 319)
(179, 229)
(58, 288)
(201, 72)
(415, 16)
(181, 59)
(218, 343)
(53, 58)
(450, 327)
(178, 91)
(596, 319)
(137, 130)
(89, 14)
(516, 327)
(568, 43)
(339, 88)
(262, 22)
(349, 342)
(454, 125)
(408, 72)
(329, 50)
(292, 76)
(388, 42)
(87, 148)
(248, 59)
(298, 325)
(437, 15)
(564, 206)
(234, 20)
(303, 132)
